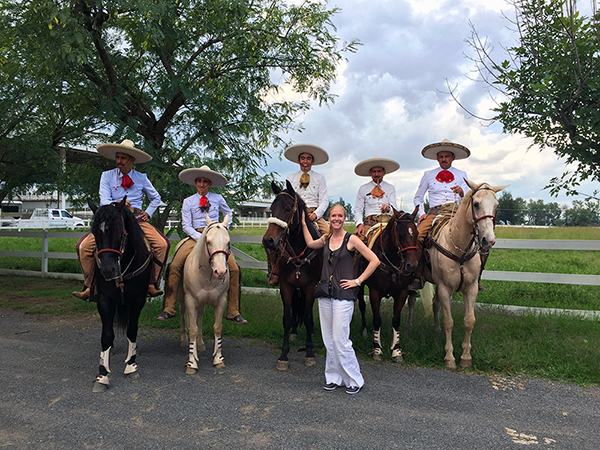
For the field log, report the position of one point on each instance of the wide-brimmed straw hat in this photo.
(362, 168)
(110, 150)
(459, 151)
(188, 176)
(320, 156)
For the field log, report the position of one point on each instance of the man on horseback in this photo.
(376, 198)
(311, 187)
(193, 220)
(115, 184)
(445, 185)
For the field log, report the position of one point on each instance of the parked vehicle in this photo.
(45, 218)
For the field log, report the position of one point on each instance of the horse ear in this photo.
(226, 220)
(472, 185)
(498, 188)
(395, 211)
(121, 204)
(92, 205)
(208, 221)
(415, 211)
(289, 187)
(276, 189)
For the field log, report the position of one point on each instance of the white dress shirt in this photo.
(370, 206)
(112, 191)
(192, 217)
(315, 194)
(439, 193)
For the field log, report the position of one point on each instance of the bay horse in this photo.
(122, 275)
(205, 282)
(396, 248)
(299, 268)
(454, 267)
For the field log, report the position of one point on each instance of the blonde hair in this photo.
(327, 235)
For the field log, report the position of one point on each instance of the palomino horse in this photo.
(122, 275)
(299, 268)
(454, 266)
(205, 282)
(396, 248)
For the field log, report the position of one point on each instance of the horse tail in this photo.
(298, 306)
(122, 317)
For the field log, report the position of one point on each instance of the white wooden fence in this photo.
(248, 262)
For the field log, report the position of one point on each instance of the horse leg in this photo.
(444, 298)
(469, 297)
(436, 311)
(218, 360)
(192, 364)
(131, 367)
(399, 302)
(375, 300)
(412, 299)
(286, 296)
(362, 305)
(183, 336)
(309, 358)
(107, 310)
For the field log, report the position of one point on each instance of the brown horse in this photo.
(396, 248)
(299, 268)
(455, 261)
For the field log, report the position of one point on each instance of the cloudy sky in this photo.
(392, 101)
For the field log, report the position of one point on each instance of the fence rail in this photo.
(248, 262)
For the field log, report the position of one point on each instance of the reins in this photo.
(397, 244)
(210, 255)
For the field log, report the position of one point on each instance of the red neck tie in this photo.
(445, 176)
(126, 182)
(204, 204)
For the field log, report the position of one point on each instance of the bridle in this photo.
(211, 255)
(404, 217)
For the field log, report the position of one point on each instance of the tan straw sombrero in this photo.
(188, 176)
(110, 150)
(459, 151)
(362, 168)
(320, 156)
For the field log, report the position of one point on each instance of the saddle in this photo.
(373, 233)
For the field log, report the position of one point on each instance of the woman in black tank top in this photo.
(336, 292)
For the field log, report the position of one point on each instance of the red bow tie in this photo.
(445, 176)
(204, 204)
(126, 182)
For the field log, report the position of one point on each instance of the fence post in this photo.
(45, 253)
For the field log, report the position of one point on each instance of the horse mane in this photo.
(302, 209)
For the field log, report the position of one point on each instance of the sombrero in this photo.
(459, 151)
(362, 168)
(188, 176)
(110, 150)
(320, 156)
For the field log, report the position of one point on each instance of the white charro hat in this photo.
(293, 152)
(362, 168)
(110, 150)
(459, 151)
(188, 176)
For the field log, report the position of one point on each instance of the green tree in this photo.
(539, 213)
(584, 213)
(347, 207)
(511, 210)
(192, 81)
(549, 84)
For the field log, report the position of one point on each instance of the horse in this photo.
(299, 268)
(396, 247)
(454, 267)
(205, 282)
(122, 275)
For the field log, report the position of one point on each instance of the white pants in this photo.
(341, 365)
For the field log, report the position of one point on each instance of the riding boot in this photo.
(83, 295)
(418, 282)
(234, 293)
(153, 288)
(273, 266)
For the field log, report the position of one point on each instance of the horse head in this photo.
(285, 215)
(403, 234)
(483, 202)
(216, 242)
(110, 234)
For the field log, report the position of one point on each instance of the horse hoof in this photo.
(190, 371)
(465, 363)
(219, 365)
(183, 343)
(377, 357)
(450, 364)
(99, 387)
(133, 376)
(398, 359)
(310, 362)
(201, 347)
(283, 365)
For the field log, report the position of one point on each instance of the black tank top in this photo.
(337, 265)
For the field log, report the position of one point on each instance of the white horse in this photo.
(455, 261)
(205, 282)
